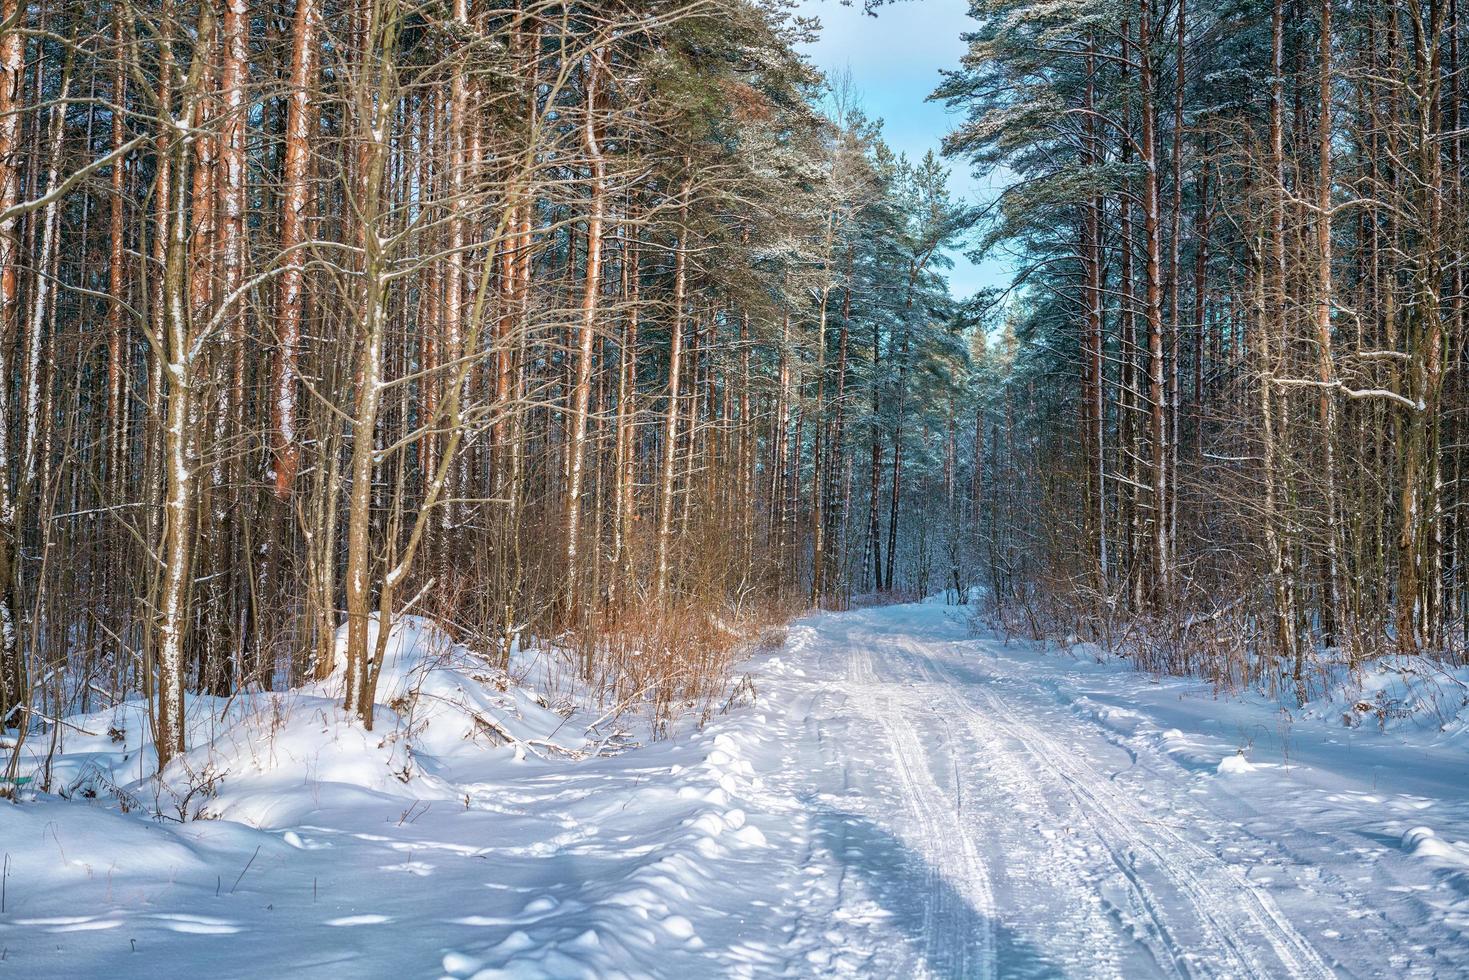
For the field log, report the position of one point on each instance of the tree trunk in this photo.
(581, 390)
(295, 206)
(670, 430)
(1162, 563)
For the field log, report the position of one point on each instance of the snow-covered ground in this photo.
(903, 799)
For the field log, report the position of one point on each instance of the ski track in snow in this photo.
(1232, 914)
(951, 947)
(905, 799)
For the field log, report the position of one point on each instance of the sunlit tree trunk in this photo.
(581, 390)
(670, 429)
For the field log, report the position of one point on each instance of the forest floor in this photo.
(905, 798)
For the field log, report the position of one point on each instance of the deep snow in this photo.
(903, 799)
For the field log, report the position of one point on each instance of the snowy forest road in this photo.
(997, 811)
(908, 796)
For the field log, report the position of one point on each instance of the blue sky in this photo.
(894, 60)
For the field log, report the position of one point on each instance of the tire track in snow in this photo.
(949, 943)
(1077, 912)
(1074, 907)
(1232, 911)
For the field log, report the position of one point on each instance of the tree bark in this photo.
(581, 390)
(670, 429)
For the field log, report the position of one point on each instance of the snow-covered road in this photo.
(988, 809)
(905, 799)
(1045, 848)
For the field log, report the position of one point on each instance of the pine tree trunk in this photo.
(1162, 564)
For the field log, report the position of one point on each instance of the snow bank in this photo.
(437, 700)
(285, 804)
(1397, 692)
(450, 731)
(1449, 859)
(1408, 693)
(451, 699)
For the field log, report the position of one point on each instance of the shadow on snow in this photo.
(944, 930)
